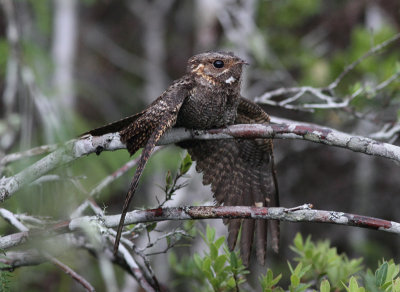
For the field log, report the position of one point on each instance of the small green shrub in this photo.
(318, 268)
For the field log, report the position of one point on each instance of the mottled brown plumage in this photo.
(240, 171)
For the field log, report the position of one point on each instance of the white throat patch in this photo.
(230, 80)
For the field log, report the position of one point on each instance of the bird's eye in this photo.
(218, 64)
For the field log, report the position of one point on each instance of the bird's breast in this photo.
(206, 109)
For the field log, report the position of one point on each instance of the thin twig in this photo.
(386, 132)
(44, 149)
(74, 275)
(136, 271)
(10, 217)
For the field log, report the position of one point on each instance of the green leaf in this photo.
(4, 51)
(151, 227)
(393, 270)
(219, 241)
(353, 286)
(294, 280)
(298, 242)
(290, 268)
(213, 251)
(210, 233)
(231, 283)
(206, 266)
(380, 274)
(396, 285)
(355, 87)
(234, 260)
(397, 67)
(198, 260)
(168, 180)
(219, 263)
(186, 164)
(325, 286)
(276, 280)
(268, 281)
(370, 283)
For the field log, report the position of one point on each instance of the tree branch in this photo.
(74, 275)
(85, 145)
(302, 213)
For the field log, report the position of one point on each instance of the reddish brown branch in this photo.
(300, 214)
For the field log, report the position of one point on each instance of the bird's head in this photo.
(216, 68)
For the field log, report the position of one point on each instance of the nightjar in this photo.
(240, 171)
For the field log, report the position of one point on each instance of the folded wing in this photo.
(241, 172)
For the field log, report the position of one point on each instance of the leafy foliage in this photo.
(324, 261)
(4, 277)
(318, 266)
(217, 270)
(385, 277)
(171, 182)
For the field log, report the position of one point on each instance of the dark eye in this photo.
(218, 64)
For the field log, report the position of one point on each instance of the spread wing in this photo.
(143, 130)
(241, 172)
(114, 127)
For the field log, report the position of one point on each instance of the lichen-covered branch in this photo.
(67, 153)
(302, 213)
(75, 149)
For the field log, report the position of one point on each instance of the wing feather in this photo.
(145, 132)
(241, 173)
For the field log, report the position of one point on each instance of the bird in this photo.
(241, 172)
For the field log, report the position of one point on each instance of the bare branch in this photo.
(136, 271)
(73, 274)
(10, 217)
(387, 132)
(15, 239)
(298, 214)
(16, 259)
(68, 152)
(44, 149)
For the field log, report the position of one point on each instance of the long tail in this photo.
(146, 153)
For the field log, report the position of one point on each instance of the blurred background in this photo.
(67, 66)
